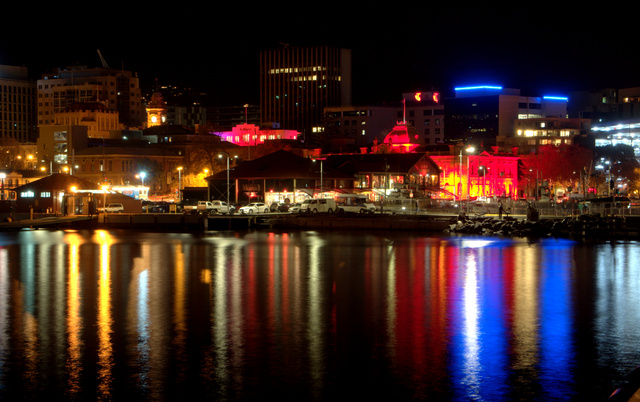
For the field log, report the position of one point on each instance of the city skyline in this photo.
(546, 50)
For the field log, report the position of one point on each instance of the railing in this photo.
(559, 210)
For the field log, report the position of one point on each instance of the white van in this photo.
(318, 205)
(357, 203)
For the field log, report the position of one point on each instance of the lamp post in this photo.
(104, 199)
(321, 176)
(179, 183)
(228, 157)
(468, 150)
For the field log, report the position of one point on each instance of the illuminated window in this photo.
(27, 194)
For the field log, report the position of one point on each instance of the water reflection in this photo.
(305, 315)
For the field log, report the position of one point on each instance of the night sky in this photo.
(396, 48)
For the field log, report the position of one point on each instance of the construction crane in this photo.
(104, 62)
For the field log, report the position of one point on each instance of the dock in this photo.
(584, 226)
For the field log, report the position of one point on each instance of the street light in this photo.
(142, 176)
(469, 150)
(179, 183)
(228, 157)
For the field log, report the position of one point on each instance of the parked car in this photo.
(113, 207)
(220, 207)
(254, 208)
(188, 206)
(354, 203)
(159, 207)
(318, 205)
(294, 208)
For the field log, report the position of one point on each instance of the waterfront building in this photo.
(17, 104)
(116, 89)
(380, 175)
(65, 194)
(297, 83)
(278, 177)
(484, 176)
(462, 172)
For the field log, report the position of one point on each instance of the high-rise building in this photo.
(117, 89)
(17, 104)
(479, 115)
(297, 83)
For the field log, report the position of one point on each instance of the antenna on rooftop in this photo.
(104, 62)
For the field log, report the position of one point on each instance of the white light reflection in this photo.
(616, 300)
(227, 319)
(471, 328)
(316, 356)
(392, 298)
(138, 312)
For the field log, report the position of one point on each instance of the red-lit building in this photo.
(468, 177)
(463, 175)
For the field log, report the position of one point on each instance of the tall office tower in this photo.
(117, 89)
(297, 83)
(17, 104)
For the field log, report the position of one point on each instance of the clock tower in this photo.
(156, 111)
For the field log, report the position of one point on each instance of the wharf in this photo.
(583, 226)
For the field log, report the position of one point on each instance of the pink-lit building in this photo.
(251, 135)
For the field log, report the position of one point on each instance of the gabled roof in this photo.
(281, 164)
(59, 181)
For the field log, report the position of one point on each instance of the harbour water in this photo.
(307, 315)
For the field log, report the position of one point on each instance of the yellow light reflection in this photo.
(74, 318)
(526, 308)
(105, 347)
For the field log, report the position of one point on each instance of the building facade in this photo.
(116, 89)
(297, 83)
(100, 121)
(17, 104)
(533, 133)
(479, 115)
